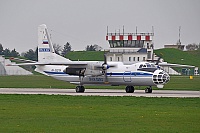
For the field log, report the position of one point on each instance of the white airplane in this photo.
(95, 72)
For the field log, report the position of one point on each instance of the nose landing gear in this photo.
(148, 90)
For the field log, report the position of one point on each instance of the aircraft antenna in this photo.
(136, 29)
(179, 36)
(107, 30)
(123, 29)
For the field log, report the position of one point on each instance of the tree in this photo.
(192, 47)
(36, 54)
(66, 49)
(6, 52)
(90, 48)
(93, 48)
(97, 47)
(57, 48)
(31, 54)
(1, 49)
(14, 53)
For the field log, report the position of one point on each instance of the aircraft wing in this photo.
(22, 60)
(174, 65)
(70, 63)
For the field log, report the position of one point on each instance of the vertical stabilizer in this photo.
(46, 52)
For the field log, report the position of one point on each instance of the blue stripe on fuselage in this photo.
(129, 74)
(47, 72)
(109, 74)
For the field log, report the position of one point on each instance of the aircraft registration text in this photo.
(96, 79)
(44, 49)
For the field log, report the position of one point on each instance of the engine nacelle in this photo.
(75, 71)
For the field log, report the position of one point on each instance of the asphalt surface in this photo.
(100, 92)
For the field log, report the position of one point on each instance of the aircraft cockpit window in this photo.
(148, 65)
(152, 65)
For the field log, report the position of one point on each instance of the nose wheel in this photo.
(148, 90)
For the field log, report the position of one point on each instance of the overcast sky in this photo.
(84, 22)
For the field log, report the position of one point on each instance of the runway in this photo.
(100, 92)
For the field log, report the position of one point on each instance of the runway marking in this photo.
(100, 92)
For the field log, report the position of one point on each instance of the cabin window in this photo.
(129, 58)
(148, 65)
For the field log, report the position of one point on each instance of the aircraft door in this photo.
(127, 76)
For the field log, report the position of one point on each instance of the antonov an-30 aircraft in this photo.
(95, 72)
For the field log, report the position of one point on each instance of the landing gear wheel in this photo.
(80, 89)
(148, 90)
(129, 89)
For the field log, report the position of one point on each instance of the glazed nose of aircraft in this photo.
(160, 77)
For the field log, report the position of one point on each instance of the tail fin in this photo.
(46, 52)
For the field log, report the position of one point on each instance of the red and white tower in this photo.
(130, 47)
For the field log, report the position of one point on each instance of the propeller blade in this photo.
(105, 76)
(158, 61)
(105, 59)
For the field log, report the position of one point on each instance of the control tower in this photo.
(130, 47)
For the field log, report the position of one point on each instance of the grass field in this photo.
(44, 113)
(41, 81)
(85, 55)
(179, 57)
(168, 54)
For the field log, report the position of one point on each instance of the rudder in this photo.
(46, 52)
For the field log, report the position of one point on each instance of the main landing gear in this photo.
(80, 89)
(130, 89)
(148, 90)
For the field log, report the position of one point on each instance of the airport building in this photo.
(135, 47)
(130, 47)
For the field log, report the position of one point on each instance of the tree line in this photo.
(32, 54)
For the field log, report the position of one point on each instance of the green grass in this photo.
(183, 83)
(41, 81)
(33, 81)
(179, 57)
(85, 55)
(168, 54)
(44, 113)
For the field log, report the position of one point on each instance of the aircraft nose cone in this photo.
(160, 77)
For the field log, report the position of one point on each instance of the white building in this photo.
(130, 47)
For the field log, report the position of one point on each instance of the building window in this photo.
(133, 58)
(138, 58)
(143, 58)
(129, 58)
(117, 58)
(110, 58)
(149, 54)
(126, 43)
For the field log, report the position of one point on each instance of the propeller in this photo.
(105, 67)
(158, 61)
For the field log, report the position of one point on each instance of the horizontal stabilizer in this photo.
(174, 65)
(74, 63)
